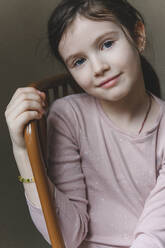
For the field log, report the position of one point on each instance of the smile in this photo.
(110, 82)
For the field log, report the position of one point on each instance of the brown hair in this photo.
(118, 11)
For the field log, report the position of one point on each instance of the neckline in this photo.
(140, 136)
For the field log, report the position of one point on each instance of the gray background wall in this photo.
(23, 29)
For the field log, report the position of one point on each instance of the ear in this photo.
(140, 36)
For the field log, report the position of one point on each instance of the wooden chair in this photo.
(35, 138)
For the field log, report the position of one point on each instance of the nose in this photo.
(100, 66)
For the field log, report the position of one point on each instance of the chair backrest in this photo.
(35, 138)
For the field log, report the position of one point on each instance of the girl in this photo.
(105, 146)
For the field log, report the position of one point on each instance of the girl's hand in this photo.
(26, 104)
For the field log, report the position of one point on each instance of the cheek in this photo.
(82, 77)
(125, 57)
(130, 59)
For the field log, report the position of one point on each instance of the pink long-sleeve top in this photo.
(109, 185)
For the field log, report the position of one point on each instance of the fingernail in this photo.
(43, 111)
(43, 104)
(39, 91)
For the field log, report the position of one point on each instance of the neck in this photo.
(130, 109)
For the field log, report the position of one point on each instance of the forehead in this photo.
(83, 31)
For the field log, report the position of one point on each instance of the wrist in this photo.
(19, 151)
(22, 161)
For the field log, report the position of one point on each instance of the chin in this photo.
(117, 96)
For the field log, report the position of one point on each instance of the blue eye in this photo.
(79, 62)
(107, 44)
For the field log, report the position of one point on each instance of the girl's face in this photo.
(101, 59)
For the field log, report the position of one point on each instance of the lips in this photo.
(108, 80)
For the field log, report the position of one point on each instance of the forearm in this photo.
(25, 105)
(25, 171)
(72, 219)
(150, 231)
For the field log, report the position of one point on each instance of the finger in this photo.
(22, 120)
(22, 98)
(24, 107)
(42, 94)
(27, 116)
(24, 90)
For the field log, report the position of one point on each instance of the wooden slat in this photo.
(65, 89)
(56, 92)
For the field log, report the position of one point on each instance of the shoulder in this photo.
(72, 113)
(160, 138)
(159, 100)
(76, 110)
(75, 102)
(159, 107)
(160, 116)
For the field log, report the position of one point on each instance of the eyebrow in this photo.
(94, 43)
